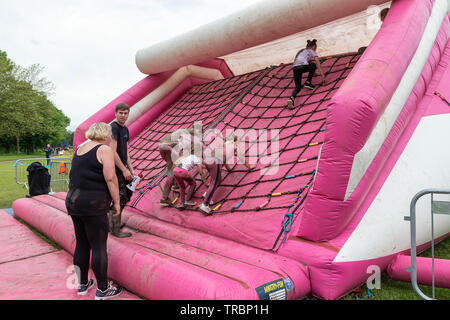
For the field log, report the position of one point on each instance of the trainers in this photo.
(190, 203)
(204, 196)
(165, 203)
(206, 209)
(84, 288)
(181, 206)
(109, 293)
(309, 85)
(290, 104)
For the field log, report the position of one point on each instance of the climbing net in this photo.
(203, 103)
(253, 102)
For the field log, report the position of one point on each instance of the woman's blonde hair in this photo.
(98, 131)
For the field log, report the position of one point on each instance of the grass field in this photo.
(9, 189)
(399, 290)
(390, 289)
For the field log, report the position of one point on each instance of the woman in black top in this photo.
(93, 185)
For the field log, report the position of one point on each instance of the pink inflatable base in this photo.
(13, 235)
(397, 271)
(37, 271)
(174, 263)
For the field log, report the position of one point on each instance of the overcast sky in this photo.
(88, 47)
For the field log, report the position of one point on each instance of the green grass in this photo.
(399, 290)
(15, 156)
(9, 189)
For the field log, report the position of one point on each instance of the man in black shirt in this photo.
(124, 169)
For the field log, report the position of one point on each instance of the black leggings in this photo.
(298, 73)
(91, 233)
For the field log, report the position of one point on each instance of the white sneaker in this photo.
(190, 203)
(204, 196)
(309, 85)
(205, 209)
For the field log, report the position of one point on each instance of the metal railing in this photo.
(58, 168)
(437, 207)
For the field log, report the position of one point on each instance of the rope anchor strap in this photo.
(287, 224)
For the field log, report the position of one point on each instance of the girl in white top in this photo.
(181, 172)
(187, 162)
(306, 60)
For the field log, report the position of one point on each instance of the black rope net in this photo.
(284, 143)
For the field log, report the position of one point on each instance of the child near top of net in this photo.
(306, 60)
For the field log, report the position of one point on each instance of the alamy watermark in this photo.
(72, 280)
(374, 280)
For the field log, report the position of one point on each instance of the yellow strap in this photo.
(276, 194)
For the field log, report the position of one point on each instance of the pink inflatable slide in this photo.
(325, 205)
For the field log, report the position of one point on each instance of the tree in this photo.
(18, 116)
(6, 76)
(28, 117)
(32, 75)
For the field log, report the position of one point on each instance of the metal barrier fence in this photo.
(437, 207)
(58, 168)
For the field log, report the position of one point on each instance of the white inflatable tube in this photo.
(245, 29)
(164, 89)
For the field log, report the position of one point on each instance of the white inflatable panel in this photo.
(424, 164)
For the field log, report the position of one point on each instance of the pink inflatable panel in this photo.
(352, 114)
(421, 102)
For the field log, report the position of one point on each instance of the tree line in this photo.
(28, 118)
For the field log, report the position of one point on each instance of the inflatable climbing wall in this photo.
(334, 176)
